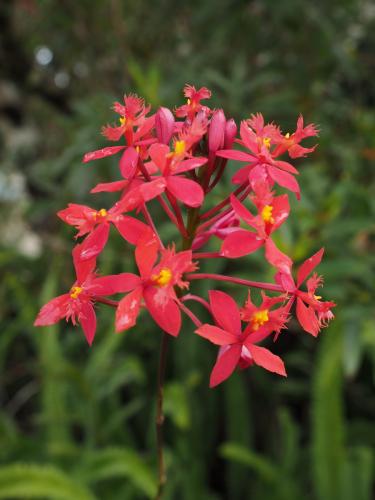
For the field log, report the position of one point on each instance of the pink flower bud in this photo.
(230, 133)
(164, 123)
(216, 131)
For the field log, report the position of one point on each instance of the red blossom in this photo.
(156, 286)
(235, 344)
(312, 313)
(78, 304)
(96, 223)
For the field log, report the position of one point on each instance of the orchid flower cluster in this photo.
(178, 158)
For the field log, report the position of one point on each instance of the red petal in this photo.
(225, 364)
(131, 229)
(307, 318)
(186, 190)
(158, 154)
(284, 165)
(152, 189)
(82, 268)
(280, 211)
(145, 255)
(216, 335)
(87, 319)
(277, 258)
(225, 311)
(233, 154)
(284, 179)
(102, 153)
(165, 312)
(240, 243)
(115, 283)
(264, 358)
(95, 242)
(109, 187)
(308, 266)
(127, 310)
(128, 163)
(53, 311)
(190, 164)
(241, 211)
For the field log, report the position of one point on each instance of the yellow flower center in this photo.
(267, 214)
(75, 291)
(259, 318)
(189, 102)
(122, 120)
(287, 135)
(317, 297)
(163, 278)
(101, 213)
(267, 142)
(179, 147)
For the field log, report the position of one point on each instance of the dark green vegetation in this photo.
(78, 423)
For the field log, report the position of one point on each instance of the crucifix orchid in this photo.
(178, 158)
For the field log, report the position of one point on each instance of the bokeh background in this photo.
(78, 423)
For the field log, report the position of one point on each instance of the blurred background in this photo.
(78, 423)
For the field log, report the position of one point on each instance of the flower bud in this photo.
(164, 123)
(230, 133)
(216, 131)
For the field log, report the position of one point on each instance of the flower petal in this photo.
(216, 335)
(102, 153)
(128, 310)
(95, 242)
(87, 319)
(307, 318)
(234, 154)
(186, 190)
(146, 253)
(264, 358)
(240, 243)
(82, 268)
(284, 179)
(225, 311)
(128, 162)
(115, 283)
(225, 364)
(165, 311)
(132, 230)
(109, 187)
(277, 258)
(53, 311)
(308, 266)
(242, 212)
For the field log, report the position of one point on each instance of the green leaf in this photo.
(119, 462)
(37, 481)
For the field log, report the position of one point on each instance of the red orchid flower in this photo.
(291, 142)
(264, 320)
(134, 126)
(97, 224)
(170, 164)
(193, 105)
(272, 212)
(234, 343)
(262, 160)
(312, 312)
(78, 304)
(156, 286)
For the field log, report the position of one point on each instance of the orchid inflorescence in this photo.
(178, 159)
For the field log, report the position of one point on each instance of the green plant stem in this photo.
(162, 476)
(187, 240)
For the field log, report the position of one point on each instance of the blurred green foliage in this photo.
(78, 423)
